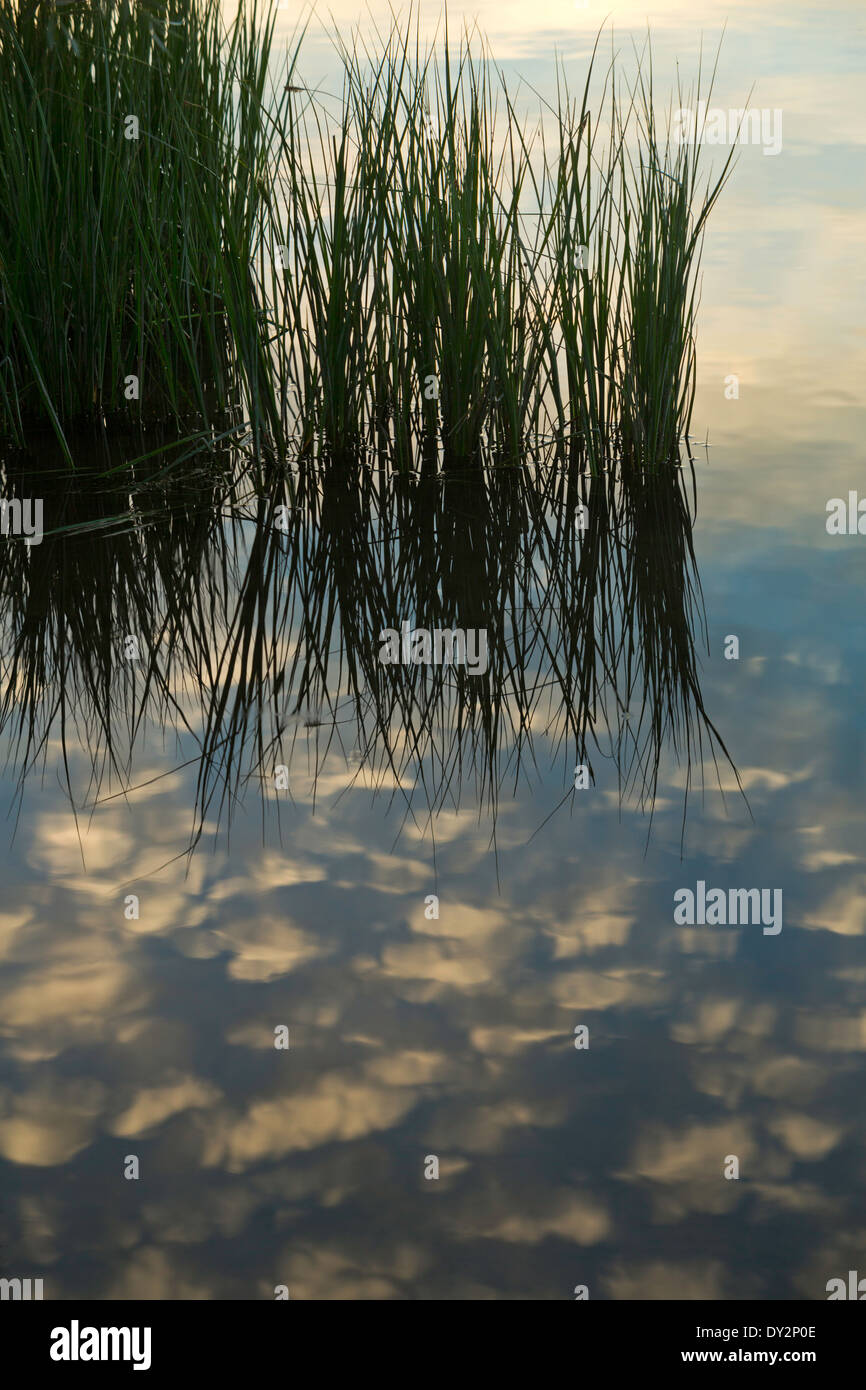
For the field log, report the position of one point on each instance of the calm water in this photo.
(307, 906)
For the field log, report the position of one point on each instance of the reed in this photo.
(401, 270)
(462, 282)
(124, 257)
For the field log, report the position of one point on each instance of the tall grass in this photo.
(401, 270)
(462, 280)
(122, 256)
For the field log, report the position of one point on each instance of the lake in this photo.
(415, 1018)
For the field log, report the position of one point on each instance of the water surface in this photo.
(412, 1036)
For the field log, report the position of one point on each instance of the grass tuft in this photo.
(415, 268)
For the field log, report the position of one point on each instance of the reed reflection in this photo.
(244, 606)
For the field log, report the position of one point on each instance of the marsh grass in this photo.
(118, 256)
(400, 271)
(464, 279)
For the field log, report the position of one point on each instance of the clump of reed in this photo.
(414, 268)
(133, 141)
(456, 280)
